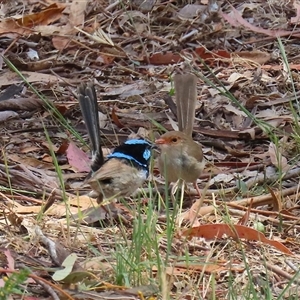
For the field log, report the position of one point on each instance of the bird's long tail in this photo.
(89, 107)
(186, 97)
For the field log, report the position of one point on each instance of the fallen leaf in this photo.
(256, 56)
(7, 115)
(24, 104)
(67, 265)
(210, 56)
(164, 58)
(10, 259)
(116, 119)
(77, 12)
(280, 67)
(191, 11)
(32, 162)
(277, 159)
(29, 149)
(221, 178)
(235, 19)
(26, 23)
(213, 231)
(234, 110)
(77, 158)
(9, 77)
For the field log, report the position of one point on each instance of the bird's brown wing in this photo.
(113, 169)
(195, 150)
(116, 178)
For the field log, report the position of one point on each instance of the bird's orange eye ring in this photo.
(174, 140)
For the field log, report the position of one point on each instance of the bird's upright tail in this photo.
(186, 97)
(89, 107)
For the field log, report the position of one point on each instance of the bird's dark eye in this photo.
(174, 140)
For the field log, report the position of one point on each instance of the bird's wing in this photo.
(196, 151)
(111, 169)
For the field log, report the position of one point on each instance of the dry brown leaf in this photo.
(27, 209)
(234, 110)
(27, 23)
(277, 159)
(235, 19)
(213, 231)
(47, 158)
(280, 67)
(256, 56)
(21, 104)
(77, 12)
(59, 211)
(49, 146)
(31, 161)
(221, 178)
(7, 115)
(191, 11)
(52, 30)
(115, 118)
(61, 42)
(29, 149)
(10, 77)
(235, 76)
(164, 58)
(83, 202)
(250, 131)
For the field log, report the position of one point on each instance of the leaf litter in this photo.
(130, 51)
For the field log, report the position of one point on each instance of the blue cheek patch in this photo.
(136, 142)
(125, 156)
(147, 154)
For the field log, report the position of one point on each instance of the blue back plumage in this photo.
(136, 151)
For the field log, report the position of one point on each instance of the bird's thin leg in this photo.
(173, 193)
(197, 189)
(182, 184)
(174, 188)
(178, 184)
(111, 210)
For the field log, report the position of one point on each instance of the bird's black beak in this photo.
(154, 146)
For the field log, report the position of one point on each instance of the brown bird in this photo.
(181, 157)
(126, 168)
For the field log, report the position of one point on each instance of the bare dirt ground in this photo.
(245, 230)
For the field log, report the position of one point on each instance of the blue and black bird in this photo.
(126, 168)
